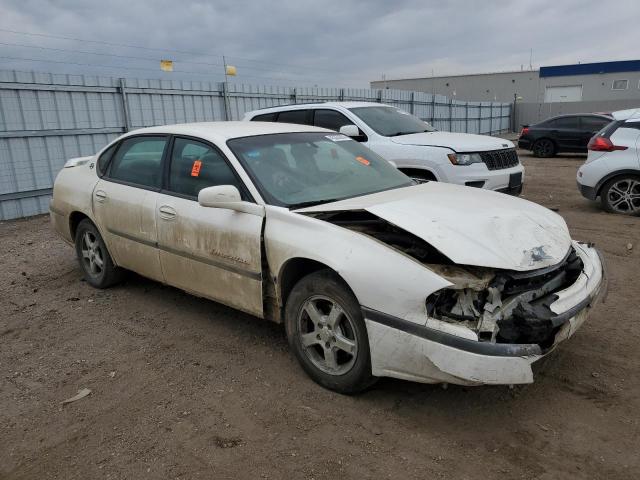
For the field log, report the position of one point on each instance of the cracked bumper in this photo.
(419, 352)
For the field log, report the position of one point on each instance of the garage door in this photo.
(564, 93)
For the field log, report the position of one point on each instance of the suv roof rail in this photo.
(292, 105)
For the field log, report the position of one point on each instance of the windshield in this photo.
(303, 169)
(391, 121)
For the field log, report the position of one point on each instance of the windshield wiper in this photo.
(311, 203)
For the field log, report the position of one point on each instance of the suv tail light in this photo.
(524, 131)
(602, 144)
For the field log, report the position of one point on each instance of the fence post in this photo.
(466, 117)
(125, 105)
(225, 100)
(451, 114)
(294, 95)
(412, 107)
(433, 108)
(491, 119)
(342, 94)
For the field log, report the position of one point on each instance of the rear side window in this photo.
(105, 158)
(265, 117)
(196, 165)
(330, 119)
(593, 124)
(294, 116)
(139, 161)
(563, 122)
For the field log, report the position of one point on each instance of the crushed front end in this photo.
(489, 326)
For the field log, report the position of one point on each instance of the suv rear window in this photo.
(265, 117)
(608, 130)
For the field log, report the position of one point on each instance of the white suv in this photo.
(414, 146)
(612, 169)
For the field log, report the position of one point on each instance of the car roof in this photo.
(630, 114)
(223, 131)
(304, 106)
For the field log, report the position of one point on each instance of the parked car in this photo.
(612, 169)
(562, 134)
(414, 146)
(372, 274)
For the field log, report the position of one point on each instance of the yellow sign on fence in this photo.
(166, 65)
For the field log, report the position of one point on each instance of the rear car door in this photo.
(124, 202)
(212, 252)
(566, 132)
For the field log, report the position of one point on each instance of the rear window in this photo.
(608, 130)
(265, 117)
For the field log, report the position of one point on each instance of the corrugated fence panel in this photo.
(45, 119)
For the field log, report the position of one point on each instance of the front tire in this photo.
(544, 148)
(622, 195)
(93, 256)
(327, 333)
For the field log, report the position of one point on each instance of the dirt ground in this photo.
(186, 388)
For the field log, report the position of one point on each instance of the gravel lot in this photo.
(186, 388)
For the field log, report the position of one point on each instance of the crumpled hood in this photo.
(459, 142)
(471, 226)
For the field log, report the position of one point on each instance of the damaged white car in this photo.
(372, 274)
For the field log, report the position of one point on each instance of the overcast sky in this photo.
(328, 43)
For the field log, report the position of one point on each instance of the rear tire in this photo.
(93, 256)
(327, 333)
(622, 195)
(544, 148)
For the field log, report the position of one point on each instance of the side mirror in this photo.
(350, 131)
(227, 197)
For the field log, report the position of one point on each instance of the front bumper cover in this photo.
(404, 349)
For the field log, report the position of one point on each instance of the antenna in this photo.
(531, 59)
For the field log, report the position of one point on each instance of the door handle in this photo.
(100, 195)
(167, 212)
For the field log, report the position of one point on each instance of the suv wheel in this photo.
(327, 333)
(544, 148)
(622, 195)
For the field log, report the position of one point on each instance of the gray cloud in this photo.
(332, 43)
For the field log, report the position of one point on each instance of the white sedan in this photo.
(372, 274)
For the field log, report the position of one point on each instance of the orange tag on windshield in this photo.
(363, 160)
(195, 169)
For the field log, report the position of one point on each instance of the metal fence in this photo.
(47, 118)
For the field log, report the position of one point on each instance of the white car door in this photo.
(212, 252)
(124, 202)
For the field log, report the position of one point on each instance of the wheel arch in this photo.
(421, 171)
(295, 269)
(75, 218)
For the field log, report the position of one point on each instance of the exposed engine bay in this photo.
(501, 306)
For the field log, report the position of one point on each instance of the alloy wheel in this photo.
(624, 196)
(327, 335)
(92, 255)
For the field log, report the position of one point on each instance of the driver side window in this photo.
(196, 165)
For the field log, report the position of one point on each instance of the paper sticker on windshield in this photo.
(363, 160)
(337, 138)
(195, 169)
